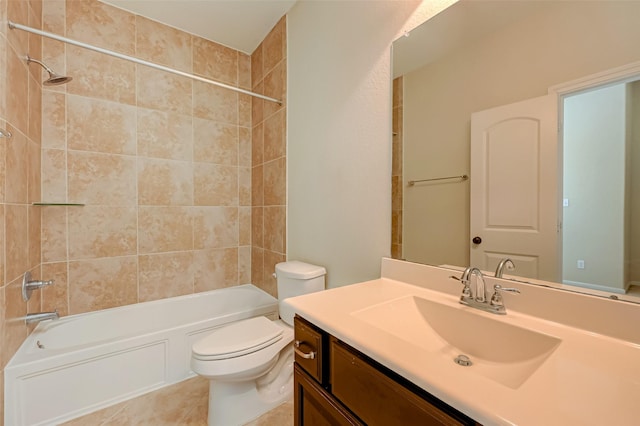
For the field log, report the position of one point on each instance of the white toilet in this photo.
(249, 363)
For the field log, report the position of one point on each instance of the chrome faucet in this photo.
(504, 262)
(41, 316)
(478, 294)
(476, 297)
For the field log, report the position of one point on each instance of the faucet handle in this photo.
(466, 291)
(496, 299)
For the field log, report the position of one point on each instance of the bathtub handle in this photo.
(310, 355)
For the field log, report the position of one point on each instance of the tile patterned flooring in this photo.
(184, 403)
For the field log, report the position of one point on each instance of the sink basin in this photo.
(500, 351)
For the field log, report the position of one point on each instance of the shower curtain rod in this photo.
(15, 26)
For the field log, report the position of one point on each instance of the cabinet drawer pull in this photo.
(310, 355)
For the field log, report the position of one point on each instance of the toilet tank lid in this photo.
(299, 270)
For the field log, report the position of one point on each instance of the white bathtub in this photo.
(81, 363)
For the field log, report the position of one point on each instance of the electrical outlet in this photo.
(565, 202)
(580, 264)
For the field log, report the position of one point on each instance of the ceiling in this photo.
(239, 24)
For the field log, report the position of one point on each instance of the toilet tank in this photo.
(296, 278)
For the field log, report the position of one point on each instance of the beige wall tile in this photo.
(54, 175)
(244, 71)
(17, 98)
(215, 268)
(54, 233)
(244, 146)
(18, 11)
(164, 229)
(244, 217)
(257, 66)
(17, 243)
(101, 178)
(100, 76)
(215, 103)
(257, 105)
(3, 72)
(244, 182)
(163, 45)
(56, 296)
(54, 129)
(17, 170)
(35, 110)
(163, 91)
(215, 142)
(100, 126)
(102, 231)
(215, 185)
(165, 275)
(97, 23)
(2, 259)
(257, 145)
(53, 16)
(35, 235)
(257, 227)
(274, 136)
(244, 110)
(244, 265)
(3, 169)
(274, 45)
(215, 61)
(54, 54)
(163, 134)
(257, 186)
(34, 181)
(275, 228)
(275, 181)
(275, 86)
(215, 227)
(257, 266)
(102, 283)
(165, 182)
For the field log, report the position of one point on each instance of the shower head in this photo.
(54, 79)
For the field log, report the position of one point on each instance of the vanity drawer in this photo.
(378, 399)
(309, 348)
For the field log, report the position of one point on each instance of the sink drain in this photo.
(462, 360)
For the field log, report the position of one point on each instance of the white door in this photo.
(515, 188)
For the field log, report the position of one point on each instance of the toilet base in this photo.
(237, 403)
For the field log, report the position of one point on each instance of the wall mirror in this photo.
(457, 176)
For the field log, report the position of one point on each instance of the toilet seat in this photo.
(237, 339)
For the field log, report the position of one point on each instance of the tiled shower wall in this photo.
(162, 163)
(20, 110)
(396, 170)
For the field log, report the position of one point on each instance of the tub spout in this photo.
(41, 316)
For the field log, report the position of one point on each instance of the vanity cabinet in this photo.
(337, 385)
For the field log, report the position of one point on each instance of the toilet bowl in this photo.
(249, 364)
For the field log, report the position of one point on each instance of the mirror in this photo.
(481, 55)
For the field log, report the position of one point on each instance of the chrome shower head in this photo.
(54, 79)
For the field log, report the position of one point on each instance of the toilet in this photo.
(249, 363)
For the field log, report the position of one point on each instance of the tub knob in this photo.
(28, 285)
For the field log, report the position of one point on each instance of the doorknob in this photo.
(476, 240)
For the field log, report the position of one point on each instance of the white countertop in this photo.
(590, 378)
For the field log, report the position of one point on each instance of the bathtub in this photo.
(82, 363)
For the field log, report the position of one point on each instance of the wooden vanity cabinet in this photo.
(339, 385)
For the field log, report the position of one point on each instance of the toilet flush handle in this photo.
(310, 355)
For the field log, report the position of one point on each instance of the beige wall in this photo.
(633, 255)
(440, 97)
(183, 183)
(339, 131)
(593, 224)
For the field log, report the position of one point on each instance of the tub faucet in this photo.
(504, 262)
(41, 316)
